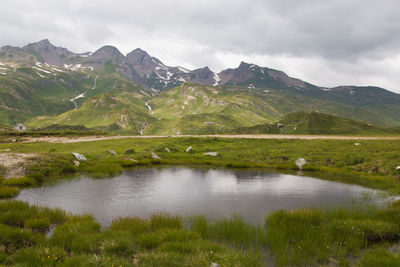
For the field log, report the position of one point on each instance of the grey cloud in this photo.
(198, 32)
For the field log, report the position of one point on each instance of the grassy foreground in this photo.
(360, 237)
(363, 236)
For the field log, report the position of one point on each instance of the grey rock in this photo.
(300, 162)
(155, 156)
(357, 144)
(112, 152)
(212, 154)
(76, 163)
(188, 149)
(79, 157)
(129, 151)
(167, 149)
(213, 264)
(398, 168)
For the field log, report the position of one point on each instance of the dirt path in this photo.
(57, 139)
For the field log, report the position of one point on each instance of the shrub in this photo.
(149, 240)
(22, 181)
(132, 224)
(379, 257)
(40, 256)
(8, 191)
(161, 221)
(65, 234)
(13, 238)
(38, 224)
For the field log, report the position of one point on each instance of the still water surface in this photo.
(189, 191)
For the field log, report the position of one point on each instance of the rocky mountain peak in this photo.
(143, 63)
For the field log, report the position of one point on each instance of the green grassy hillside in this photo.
(200, 109)
(319, 123)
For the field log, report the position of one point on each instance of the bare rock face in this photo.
(142, 62)
(50, 54)
(111, 55)
(202, 76)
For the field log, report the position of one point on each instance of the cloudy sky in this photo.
(328, 43)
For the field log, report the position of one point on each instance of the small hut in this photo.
(20, 127)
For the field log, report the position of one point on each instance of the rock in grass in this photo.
(212, 154)
(112, 152)
(213, 264)
(76, 163)
(129, 151)
(300, 162)
(398, 168)
(155, 156)
(188, 149)
(167, 149)
(79, 157)
(357, 144)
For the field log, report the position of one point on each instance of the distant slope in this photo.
(318, 123)
(113, 112)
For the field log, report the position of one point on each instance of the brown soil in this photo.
(15, 164)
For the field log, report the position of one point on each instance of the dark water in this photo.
(188, 191)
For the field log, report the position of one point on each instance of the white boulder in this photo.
(79, 157)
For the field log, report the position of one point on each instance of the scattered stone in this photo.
(188, 149)
(398, 168)
(76, 163)
(300, 162)
(112, 152)
(129, 159)
(212, 154)
(129, 151)
(155, 156)
(14, 140)
(167, 149)
(357, 144)
(213, 264)
(79, 157)
(279, 125)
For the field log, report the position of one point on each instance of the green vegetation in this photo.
(372, 163)
(78, 240)
(319, 123)
(360, 236)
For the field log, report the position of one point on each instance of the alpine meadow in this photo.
(115, 156)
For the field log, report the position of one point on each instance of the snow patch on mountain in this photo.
(95, 83)
(78, 96)
(57, 69)
(144, 93)
(183, 70)
(148, 106)
(217, 79)
(42, 70)
(39, 74)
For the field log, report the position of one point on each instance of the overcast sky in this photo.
(325, 42)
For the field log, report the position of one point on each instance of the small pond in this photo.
(190, 191)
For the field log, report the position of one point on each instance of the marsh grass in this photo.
(19, 182)
(8, 191)
(311, 237)
(78, 241)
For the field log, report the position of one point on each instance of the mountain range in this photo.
(41, 85)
